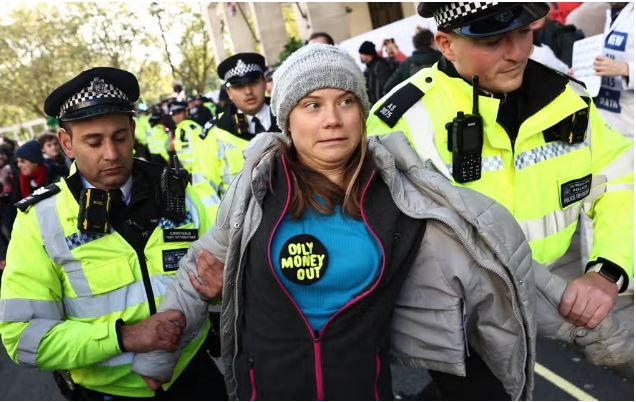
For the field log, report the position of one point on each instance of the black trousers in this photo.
(200, 381)
(480, 384)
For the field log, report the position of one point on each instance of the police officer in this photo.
(93, 255)
(218, 152)
(185, 130)
(529, 137)
(197, 112)
(142, 131)
(159, 140)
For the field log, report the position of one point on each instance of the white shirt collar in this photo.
(126, 189)
(264, 116)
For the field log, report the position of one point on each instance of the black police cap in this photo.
(94, 92)
(480, 19)
(241, 68)
(177, 106)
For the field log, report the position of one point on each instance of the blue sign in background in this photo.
(616, 41)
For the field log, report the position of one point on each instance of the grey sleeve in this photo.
(182, 296)
(608, 344)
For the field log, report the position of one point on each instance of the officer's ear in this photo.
(444, 41)
(65, 138)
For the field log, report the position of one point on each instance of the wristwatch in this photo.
(607, 273)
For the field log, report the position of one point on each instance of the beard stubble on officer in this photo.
(499, 60)
(102, 147)
(248, 98)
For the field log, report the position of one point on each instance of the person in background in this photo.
(541, 52)
(424, 55)
(321, 37)
(142, 131)
(54, 158)
(589, 17)
(197, 112)
(393, 52)
(223, 102)
(269, 81)
(219, 149)
(615, 100)
(185, 131)
(377, 72)
(296, 302)
(159, 140)
(178, 92)
(7, 209)
(33, 173)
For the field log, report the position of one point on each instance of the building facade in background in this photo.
(261, 27)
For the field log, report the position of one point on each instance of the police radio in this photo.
(173, 185)
(465, 141)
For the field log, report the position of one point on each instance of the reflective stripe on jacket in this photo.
(63, 291)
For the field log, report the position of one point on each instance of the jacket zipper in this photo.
(378, 366)
(147, 285)
(316, 337)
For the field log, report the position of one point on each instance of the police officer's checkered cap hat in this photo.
(241, 69)
(481, 19)
(98, 88)
(450, 12)
(94, 92)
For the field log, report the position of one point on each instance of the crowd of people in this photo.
(317, 222)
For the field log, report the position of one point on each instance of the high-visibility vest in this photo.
(218, 158)
(142, 128)
(184, 133)
(529, 180)
(158, 142)
(63, 291)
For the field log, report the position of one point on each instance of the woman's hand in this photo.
(209, 284)
(606, 67)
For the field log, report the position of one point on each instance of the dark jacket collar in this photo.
(226, 121)
(145, 200)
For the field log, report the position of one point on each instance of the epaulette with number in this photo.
(207, 127)
(397, 104)
(38, 195)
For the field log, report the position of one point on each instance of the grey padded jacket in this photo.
(480, 285)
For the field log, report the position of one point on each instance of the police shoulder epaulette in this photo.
(398, 103)
(206, 128)
(37, 196)
(193, 126)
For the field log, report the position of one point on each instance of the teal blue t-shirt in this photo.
(324, 261)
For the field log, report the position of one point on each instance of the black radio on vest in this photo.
(465, 140)
(173, 185)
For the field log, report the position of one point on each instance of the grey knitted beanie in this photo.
(315, 66)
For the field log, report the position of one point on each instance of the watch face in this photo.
(609, 274)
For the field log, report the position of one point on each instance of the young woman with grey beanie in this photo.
(340, 252)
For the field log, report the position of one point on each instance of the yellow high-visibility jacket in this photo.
(63, 290)
(184, 134)
(545, 183)
(159, 142)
